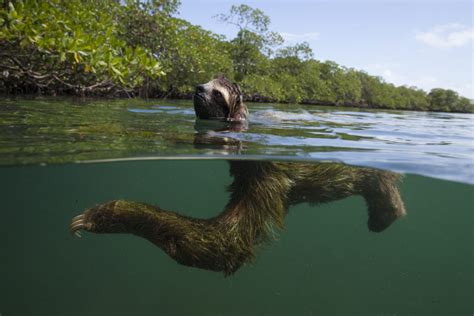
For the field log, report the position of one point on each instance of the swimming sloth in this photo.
(261, 193)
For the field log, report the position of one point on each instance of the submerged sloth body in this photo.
(261, 193)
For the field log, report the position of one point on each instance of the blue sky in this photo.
(422, 43)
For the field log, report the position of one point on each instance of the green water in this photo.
(325, 262)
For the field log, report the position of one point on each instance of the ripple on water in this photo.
(65, 130)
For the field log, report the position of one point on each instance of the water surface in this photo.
(46, 131)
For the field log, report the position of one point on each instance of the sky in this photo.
(422, 43)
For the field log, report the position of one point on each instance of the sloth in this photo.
(260, 196)
(220, 99)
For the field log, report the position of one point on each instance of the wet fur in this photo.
(220, 99)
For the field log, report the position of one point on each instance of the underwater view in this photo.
(304, 211)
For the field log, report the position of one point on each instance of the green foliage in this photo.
(138, 47)
(449, 101)
(187, 53)
(254, 41)
(300, 51)
(190, 55)
(70, 45)
(252, 21)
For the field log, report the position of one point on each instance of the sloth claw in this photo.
(78, 223)
(78, 217)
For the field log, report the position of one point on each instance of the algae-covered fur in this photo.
(261, 193)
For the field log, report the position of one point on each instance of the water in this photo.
(325, 262)
(438, 145)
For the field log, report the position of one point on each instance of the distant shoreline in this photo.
(247, 98)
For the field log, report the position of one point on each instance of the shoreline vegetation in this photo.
(140, 48)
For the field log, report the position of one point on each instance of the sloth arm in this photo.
(223, 243)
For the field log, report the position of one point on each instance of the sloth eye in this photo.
(217, 93)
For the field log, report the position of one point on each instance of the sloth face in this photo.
(219, 99)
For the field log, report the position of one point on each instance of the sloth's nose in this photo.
(200, 89)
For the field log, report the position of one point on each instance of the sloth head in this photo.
(219, 99)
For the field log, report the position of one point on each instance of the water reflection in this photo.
(216, 137)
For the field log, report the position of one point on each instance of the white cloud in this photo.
(447, 36)
(302, 37)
